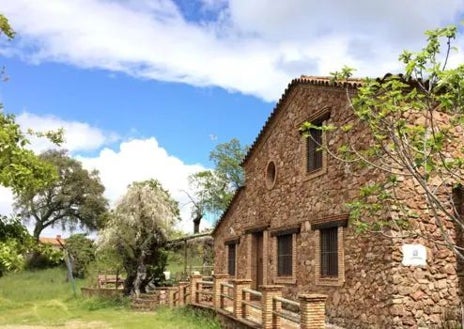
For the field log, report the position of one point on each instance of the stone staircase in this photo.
(145, 302)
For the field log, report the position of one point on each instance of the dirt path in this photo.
(69, 325)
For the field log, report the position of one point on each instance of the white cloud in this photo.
(142, 159)
(78, 136)
(254, 47)
(6, 201)
(134, 160)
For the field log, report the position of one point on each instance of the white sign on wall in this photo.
(414, 255)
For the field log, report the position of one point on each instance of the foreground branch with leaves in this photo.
(415, 123)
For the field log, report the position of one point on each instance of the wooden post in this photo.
(185, 258)
(194, 279)
(239, 285)
(217, 289)
(312, 309)
(267, 304)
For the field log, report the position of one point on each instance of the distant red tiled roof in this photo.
(57, 241)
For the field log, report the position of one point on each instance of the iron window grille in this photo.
(285, 255)
(313, 149)
(329, 252)
(232, 248)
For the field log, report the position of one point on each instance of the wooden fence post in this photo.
(194, 279)
(267, 304)
(312, 309)
(239, 285)
(217, 280)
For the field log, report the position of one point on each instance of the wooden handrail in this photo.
(252, 292)
(227, 285)
(294, 318)
(287, 301)
(256, 306)
(307, 312)
(288, 315)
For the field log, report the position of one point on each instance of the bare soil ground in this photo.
(76, 324)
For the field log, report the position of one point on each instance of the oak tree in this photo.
(214, 189)
(74, 200)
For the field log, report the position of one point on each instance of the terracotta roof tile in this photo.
(52, 241)
(304, 79)
(353, 83)
(239, 190)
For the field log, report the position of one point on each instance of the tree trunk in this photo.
(139, 278)
(128, 284)
(37, 230)
(196, 223)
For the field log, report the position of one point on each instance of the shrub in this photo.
(44, 256)
(15, 242)
(82, 253)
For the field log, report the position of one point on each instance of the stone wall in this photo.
(376, 291)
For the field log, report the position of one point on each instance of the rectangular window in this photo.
(231, 255)
(285, 255)
(329, 252)
(314, 151)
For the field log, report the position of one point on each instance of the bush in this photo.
(11, 259)
(82, 253)
(44, 256)
(15, 242)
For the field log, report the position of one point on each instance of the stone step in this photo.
(143, 304)
(142, 307)
(147, 297)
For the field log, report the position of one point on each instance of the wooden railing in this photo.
(287, 313)
(249, 305)
(226, 298)
(265, 308)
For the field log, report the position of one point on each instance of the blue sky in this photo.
(146, 88)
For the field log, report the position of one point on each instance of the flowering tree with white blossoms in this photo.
(139, 227)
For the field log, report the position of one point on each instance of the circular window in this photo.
(271, 173)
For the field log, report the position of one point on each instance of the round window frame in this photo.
(270, 174)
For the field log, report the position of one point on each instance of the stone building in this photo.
(289, 225)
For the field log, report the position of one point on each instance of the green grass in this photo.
(44, 298)
(176, 263)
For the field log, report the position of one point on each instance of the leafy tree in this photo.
(5, 27)
(227, 158)
(213, 189)
(20, 168)
(15, 242)
(82, 252)
(18, 249)
(44, 256)
(74, 199)
(415, 121)
(138, 229)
